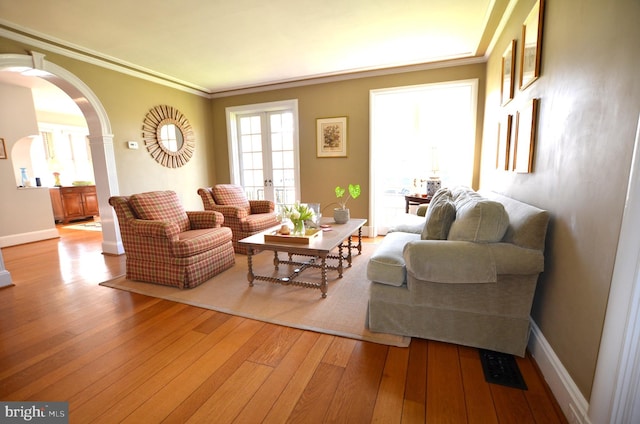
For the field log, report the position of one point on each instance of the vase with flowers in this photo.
(341, 215)
(298, 213)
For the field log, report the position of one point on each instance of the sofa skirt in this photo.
(394, 310)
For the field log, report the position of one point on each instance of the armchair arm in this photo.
(231, 211)
(205, 219)
(157, 229)
(206, 194)
(261, 206)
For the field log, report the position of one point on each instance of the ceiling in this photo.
(214, 46)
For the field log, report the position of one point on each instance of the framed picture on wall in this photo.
(508, 69)
(504, 143)
(526, 123)
(331, 137)
(3, 149)
(531, 48)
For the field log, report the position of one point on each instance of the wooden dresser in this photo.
(74, 202)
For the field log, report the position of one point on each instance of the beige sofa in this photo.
(468, 277)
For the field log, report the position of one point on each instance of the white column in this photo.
(5, 276)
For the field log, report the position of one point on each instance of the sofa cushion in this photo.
(440, 216)
(258, 222)
(193, 242)
(387, 263)
(527, 223)
(408, 223)
(231, 195)
(160, 206)
(478, 219)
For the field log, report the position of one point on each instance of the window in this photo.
(417, 131)
(62, 149)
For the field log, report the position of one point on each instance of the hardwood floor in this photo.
(117, 356)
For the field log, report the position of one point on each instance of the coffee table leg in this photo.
(360, 241)
(340, 259)
(276, 259)
(250, 275)
(349, 257)
(324, 285)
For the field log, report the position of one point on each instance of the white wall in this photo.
(25, 214)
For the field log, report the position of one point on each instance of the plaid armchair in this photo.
(244, 217)
(165, 244)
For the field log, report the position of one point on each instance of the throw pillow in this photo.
(440, 216)
(480, 220)
(160, 206)
(442, 192)
(231, 195)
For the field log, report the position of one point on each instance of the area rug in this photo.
(341, 313)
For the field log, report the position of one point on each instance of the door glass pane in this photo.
(282, 157)
(251, 156)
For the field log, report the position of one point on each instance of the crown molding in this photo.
(323, 79)
(60, 47)
(44, 42)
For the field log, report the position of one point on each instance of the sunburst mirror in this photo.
(168, 136)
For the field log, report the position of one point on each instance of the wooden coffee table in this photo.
(318, 250)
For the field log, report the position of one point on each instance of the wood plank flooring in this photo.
(117, 357)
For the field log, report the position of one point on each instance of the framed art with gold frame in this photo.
(526, 123)
(3, 149)
(531, 46)
(504, 143)
(507, 72)
(331, 137)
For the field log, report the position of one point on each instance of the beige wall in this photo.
(319, 176)
(127, 100)
(590, 102)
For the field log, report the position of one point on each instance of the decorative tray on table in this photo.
(275, 236)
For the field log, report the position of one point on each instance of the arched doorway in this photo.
(100, 135)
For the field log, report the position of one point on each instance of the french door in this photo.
(264, 151)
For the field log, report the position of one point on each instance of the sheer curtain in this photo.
(416, 132)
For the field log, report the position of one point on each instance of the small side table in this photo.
(415, 200)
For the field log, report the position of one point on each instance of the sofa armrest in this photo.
(422, 210)
(205, 219)
(448, 261)
(157, 229)
(516, 260)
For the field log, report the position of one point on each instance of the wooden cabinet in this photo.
(71, 203)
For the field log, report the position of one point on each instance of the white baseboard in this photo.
(573, 403)
(22, 238)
